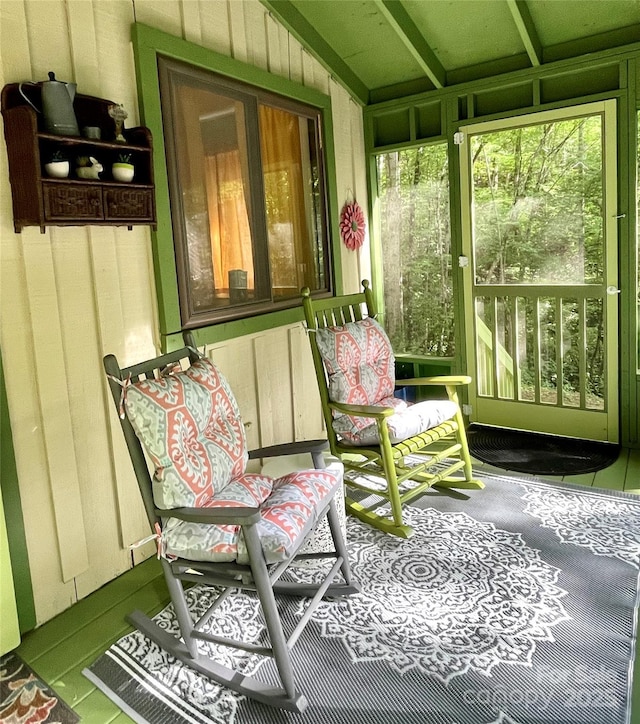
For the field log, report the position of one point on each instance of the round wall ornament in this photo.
(352, 225)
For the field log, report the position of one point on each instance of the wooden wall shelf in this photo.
(42, 201)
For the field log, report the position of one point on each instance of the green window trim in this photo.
(148, 43)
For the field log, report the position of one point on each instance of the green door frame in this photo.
(550, 418)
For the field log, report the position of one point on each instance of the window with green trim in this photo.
(247, 192)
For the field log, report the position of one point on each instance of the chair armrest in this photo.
(230, 515)
(439, 380)
(362, 410)
(423, 358)
(289, 448)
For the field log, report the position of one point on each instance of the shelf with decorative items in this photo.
(72, 180)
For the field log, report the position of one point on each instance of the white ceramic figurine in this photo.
(90, 172)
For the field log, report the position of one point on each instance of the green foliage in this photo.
(538, 219)
(414, 204)
(537, 195)
(57, 155)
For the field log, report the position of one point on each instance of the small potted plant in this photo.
(123, 169)
(57, 166)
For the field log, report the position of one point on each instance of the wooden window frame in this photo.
(150, 43)
(172, 73)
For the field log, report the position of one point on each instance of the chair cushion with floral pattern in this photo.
(360, 367)
(289, 508)
(190, 426)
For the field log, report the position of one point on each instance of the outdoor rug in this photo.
(26, 699)
(515, 604)
(537, 454)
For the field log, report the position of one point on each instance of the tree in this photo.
(414, 204)
(537, 219)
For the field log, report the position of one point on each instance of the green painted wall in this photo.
(13, 515)
(437, 115)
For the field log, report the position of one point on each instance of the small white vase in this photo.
(57, 169)
(122, 172)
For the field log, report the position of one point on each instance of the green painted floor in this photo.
(60, 649)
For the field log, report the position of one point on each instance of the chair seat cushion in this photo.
(189, 424)
(408, 420)
(289, 508)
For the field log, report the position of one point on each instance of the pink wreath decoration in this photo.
(352, 225)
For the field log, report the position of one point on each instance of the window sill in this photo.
(221, 331)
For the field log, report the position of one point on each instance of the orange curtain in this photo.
(228, 218)
(290, 250)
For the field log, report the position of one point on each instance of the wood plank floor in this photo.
(60, 649)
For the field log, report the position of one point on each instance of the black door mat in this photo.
(537, 454)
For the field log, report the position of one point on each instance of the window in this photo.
(413, 189)
(248, 201)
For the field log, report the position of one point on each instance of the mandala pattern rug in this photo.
(516, 604)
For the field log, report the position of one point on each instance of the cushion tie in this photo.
(124, 384)
(197, 352)
(161, 544)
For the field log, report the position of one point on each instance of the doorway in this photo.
(540, 280)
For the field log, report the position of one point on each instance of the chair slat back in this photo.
(333, 312)
(151, 369)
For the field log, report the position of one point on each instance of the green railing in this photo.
(487, 372)
(541, 344)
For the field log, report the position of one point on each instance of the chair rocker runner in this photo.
(371, 430)
(216, 524)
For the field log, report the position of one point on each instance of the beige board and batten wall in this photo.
(72, 294)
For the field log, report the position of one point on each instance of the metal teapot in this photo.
(57, 105)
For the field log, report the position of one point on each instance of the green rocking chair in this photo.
(391, 450)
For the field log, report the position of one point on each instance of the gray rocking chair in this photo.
(217, 524)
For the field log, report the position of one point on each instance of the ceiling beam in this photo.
(414, 41)
(308, 36)
(527, 30)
